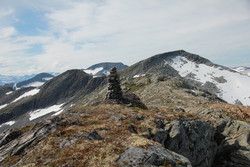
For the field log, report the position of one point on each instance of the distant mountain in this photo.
(35, 81)
(102, 69)
(198, 72)
(14, 79)
(242, 70)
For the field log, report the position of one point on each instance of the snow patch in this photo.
(47, 78)
(93, 72)
(58, 112)
(235, 87)
(41, 112)
(7, 123)
(29, 93)
(139, 75)
(8, 93)
(2, 106)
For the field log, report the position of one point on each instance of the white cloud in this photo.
(5, 12)
(82, 33)
(6, 32)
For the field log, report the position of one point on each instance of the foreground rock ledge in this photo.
(153, 156)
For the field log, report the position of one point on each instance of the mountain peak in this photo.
(102, 69)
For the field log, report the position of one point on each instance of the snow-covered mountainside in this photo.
(13, 79)
(232, 87)
(242, 70)
(102, 69)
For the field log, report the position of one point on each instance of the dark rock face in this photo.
(94, 136)
(190, 138)
(233, 144)
(153, 156)
(4, 90)
(114, 88)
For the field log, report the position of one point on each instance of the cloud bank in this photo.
(58, 35)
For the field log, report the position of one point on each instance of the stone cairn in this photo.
(114, 88)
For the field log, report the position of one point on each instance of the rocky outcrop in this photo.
(8, 136)
(233, 144)
(193, 139)
(232, 138)
(14, 142)
(153, 156)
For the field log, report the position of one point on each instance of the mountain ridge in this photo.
(102, 69)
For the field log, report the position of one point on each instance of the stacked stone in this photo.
(114, 88)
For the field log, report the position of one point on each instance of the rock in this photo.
(66, 142)
(19, 143)
(233, 144)
(232, 137)
(133, 101)
(94, 136)
(193, 139)
(220, 79)
(237, 101)
(153, 156)
(8, 136)
(179, 110)
(161, 78)
(210, 87)
(132, 128)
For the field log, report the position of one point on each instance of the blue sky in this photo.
(57, 35)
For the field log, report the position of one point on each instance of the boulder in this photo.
(153, 156)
